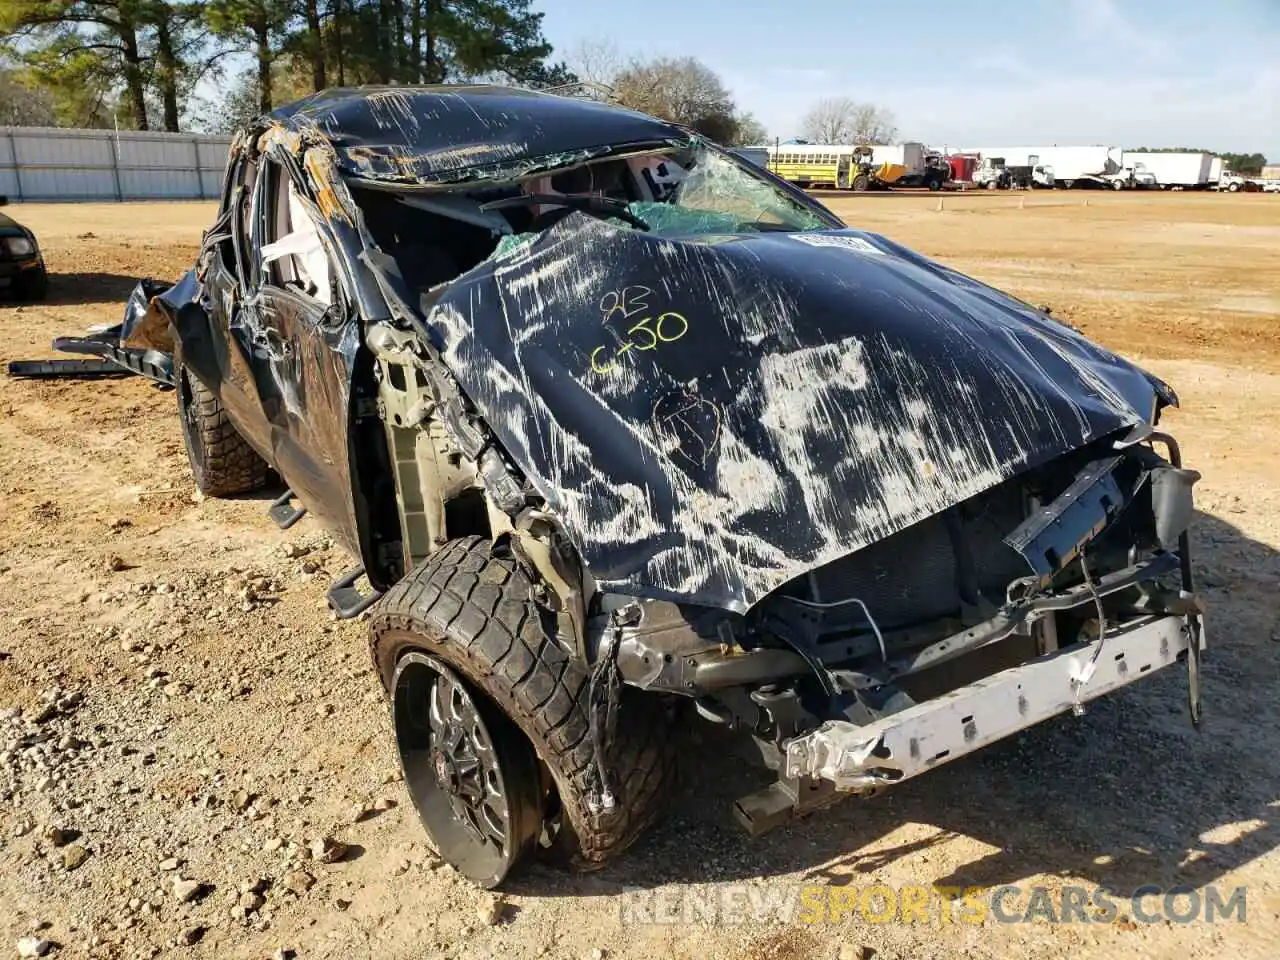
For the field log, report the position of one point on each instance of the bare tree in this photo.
(844, 120)
(683, 90)
(872, 124)
(595, 60)
(751, 132)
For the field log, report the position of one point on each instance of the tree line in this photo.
(138, 62)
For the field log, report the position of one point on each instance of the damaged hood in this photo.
(712, 417)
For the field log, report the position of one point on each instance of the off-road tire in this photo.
(472, 609)
(222, 463)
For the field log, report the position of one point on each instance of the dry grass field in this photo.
(210, 721)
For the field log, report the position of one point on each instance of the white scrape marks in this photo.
(804, 417)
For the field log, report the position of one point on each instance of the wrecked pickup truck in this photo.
(626, 432)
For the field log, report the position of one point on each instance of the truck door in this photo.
(309, 335)
(215, 344)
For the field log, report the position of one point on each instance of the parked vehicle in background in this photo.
(757, 155)
(933, 172)
(1177, 171)
(962, 167)
(860, 167)
(1232, 182)
(1038, 177)
(1271, 186)
(810, 165)
(1069, 164)
(992, 174)
(921, 167)
(840, 166)
(1126, 178)
(22, 271)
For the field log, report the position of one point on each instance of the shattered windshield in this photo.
(691, 189)
(701, 191)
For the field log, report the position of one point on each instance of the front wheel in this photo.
(492, 723)
(861, 183)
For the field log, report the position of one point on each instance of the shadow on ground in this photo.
(1129, 794)
(76, 289)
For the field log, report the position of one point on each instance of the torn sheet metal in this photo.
(410, 136)
(711, 418)
(150, 309)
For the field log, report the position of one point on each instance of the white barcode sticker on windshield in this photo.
(857, 244)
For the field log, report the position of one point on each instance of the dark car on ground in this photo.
(22, 271)
(629, 434)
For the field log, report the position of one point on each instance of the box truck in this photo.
(1176, 171)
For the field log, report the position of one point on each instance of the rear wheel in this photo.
(222, 462)
(492, 724)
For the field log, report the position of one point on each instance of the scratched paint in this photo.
(824, 399)
(420, 136)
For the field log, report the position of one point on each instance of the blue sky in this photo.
(1120, 72)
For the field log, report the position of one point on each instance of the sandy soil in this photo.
(205, 719)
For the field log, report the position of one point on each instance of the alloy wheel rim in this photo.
(470, 774)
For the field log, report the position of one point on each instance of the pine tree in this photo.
(255, 26)
(76, 47)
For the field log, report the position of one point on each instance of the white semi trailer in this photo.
(1069, 164)
(1178, 171)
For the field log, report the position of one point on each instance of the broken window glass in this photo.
(711, 192)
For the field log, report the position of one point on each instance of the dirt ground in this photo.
(189, 711)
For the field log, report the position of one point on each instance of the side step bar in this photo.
(345, 598)
(284, 513)
(151, 364)
(49, 369)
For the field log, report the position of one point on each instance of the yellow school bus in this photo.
(831, 165)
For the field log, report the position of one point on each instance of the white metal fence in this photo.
(47, 163)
